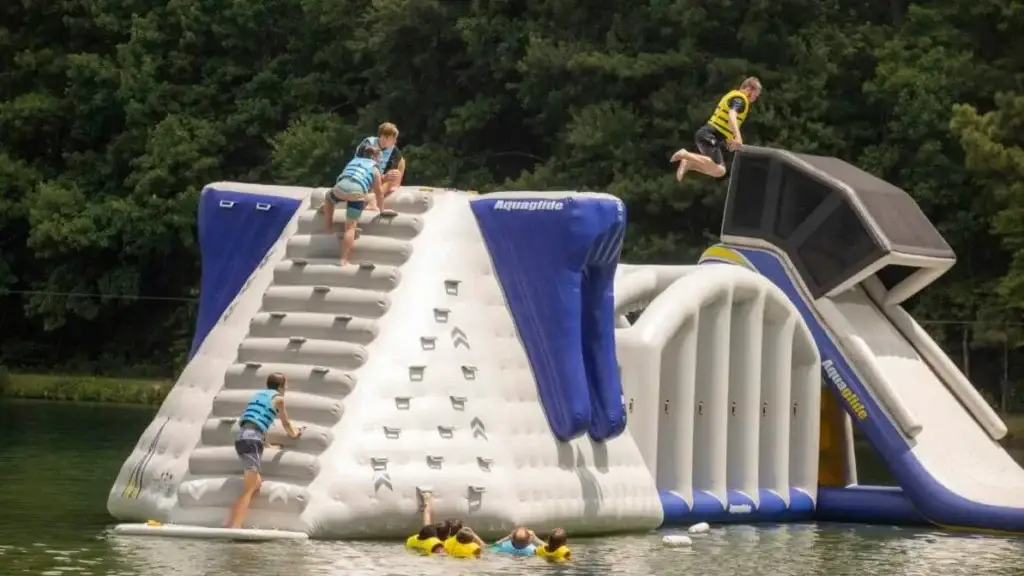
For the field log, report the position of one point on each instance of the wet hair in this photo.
(276, 381)
(520, 537)
(386, 130)
(557, 539)
(454, 526)
(427, 532)
(443, 529)
(464, 535)
(369, 152)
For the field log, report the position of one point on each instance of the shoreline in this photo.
(72, 388)
(84, 389)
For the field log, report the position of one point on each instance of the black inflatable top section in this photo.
(832, 218)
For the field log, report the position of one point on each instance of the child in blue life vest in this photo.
(259, 415)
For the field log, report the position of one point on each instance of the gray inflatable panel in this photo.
(326, 300)
(401, 226)
(313, 326)
(326, 272)
(327, 382)
(302, 408)
(300, 350)
(277, 464)
(379, 250)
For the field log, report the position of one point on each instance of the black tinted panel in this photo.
(892, 275)
(747, 192)
(837, 249)
(800, 194)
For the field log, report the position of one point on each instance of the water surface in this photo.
(57, 462)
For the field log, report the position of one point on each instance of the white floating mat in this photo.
(206, 533)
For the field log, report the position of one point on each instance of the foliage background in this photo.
(114, 113)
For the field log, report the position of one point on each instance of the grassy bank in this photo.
(69, 387)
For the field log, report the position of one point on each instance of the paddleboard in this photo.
(206, 533)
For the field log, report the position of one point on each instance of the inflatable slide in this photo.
(848, 248)
(493, 351)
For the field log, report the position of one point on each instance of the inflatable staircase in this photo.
(317, 326)
(408, 372)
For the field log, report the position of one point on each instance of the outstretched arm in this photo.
(401, 173)
(377, 190)
(734, 125)
(285, 421)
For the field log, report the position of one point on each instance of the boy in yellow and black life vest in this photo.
(721, 132)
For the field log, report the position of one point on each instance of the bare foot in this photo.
(344, 263)
(680, 154)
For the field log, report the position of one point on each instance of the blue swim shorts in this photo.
(249, 447)
(353, 208)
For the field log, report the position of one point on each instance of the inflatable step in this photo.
(221, 492)
(300, 350)
(280, 465)
(327, 272)
(377, 249)
(405, 200)
(222, 432)
(311, 325)
(326, 300)
(400, 226)
(304, 409)
(314, 380)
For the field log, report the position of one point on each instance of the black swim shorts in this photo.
(711, 143)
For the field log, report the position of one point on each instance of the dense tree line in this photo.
(114, 113)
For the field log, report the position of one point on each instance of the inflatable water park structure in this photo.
(493, 351)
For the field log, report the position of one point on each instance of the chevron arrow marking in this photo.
(279, 492)
(459, 338)
(479, 430)
(382, 479)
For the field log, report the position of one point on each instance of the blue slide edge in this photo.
(555, 260)
(933, 500)
(867, 505)
(739, 508)
(234, 238)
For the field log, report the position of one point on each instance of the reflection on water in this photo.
(58, 461)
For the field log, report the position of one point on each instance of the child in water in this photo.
(426, 541)
(556, 548)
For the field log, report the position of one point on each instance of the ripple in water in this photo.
(791, 550)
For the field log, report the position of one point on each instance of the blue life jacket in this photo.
(360, 171)
(507, 547)
(260, 411)
(385, 153)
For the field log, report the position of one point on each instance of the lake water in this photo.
(57, 462)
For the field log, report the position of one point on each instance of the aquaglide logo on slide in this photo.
(844, 390)
(524, 205)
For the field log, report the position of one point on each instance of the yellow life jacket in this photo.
(559, 554)
(457, 549)
(425, 546)
(720, 119)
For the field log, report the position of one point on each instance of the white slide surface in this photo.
(952, 445)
